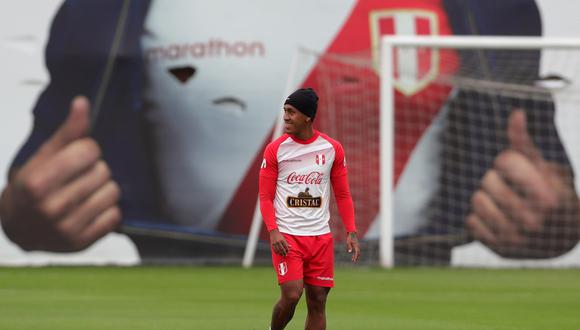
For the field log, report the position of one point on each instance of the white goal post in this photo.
(254, 234)
(389, 45)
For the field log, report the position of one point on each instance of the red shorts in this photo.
(310, 258)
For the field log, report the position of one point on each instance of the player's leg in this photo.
(283, 312)
(318, 279)
(316, 302)
(289, 270)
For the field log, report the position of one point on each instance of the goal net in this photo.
(461, 150)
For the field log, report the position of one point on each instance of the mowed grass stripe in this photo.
(235, 298)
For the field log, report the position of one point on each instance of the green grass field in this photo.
(234, 298)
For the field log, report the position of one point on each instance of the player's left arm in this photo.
(339, 180)
(346, 210)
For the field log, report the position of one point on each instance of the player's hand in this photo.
(526, 206)
(279, 243)
(63, 199)
(352, 246)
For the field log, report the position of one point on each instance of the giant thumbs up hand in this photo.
(526, 206)
(63, 199)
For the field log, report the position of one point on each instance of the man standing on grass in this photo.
(294, 198)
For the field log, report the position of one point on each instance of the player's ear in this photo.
(308, 119)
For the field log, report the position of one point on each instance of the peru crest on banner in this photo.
(414, 68)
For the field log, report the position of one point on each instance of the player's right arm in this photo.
(62, 198)
(267, 187)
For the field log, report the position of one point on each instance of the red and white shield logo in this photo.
(320, 159)
(282, 268)
(414, 68)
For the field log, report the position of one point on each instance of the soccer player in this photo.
(295, 178)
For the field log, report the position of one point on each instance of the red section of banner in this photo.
(418, 108)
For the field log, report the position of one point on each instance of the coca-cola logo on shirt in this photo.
(310, 178)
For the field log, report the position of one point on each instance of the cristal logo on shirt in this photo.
(304, 199)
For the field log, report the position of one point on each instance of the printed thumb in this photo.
(519, 137)
(76, 125)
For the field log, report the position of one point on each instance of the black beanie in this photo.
(305, 100)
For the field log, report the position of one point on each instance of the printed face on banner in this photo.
(216, 81)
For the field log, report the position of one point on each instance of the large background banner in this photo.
(23, 36)
(210, 83)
